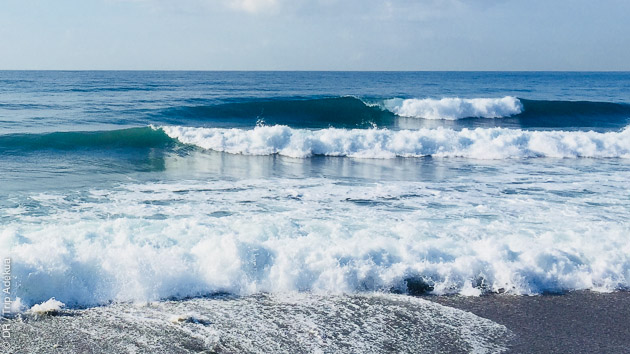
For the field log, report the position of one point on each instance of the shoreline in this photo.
(261, 323)
(574, 322)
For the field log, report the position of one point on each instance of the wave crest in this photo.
(480, 143)
(142, 137)
(455, 108)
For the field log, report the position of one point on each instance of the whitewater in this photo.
(495, 143)
(454, 108)
(519, 229)
(336, 188)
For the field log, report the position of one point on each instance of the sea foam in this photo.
(144, 242)
(480, 143)
(455, 108)
(268, 323)
(49, 307)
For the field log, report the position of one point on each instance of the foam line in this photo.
(480, 143)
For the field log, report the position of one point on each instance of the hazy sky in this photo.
(315, 34)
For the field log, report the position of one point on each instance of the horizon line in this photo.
(316, 70)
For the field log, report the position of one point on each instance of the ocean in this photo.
(256, 195)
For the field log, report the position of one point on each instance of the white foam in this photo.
(270, 323)
(143, 242)
(47, 307)
(480, 143)
(454, 108)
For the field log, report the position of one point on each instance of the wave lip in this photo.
(455, 108)
(480, 143)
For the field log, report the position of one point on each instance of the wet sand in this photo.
(263, 323)
(577, 322)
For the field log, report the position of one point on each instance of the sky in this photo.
(315, 34)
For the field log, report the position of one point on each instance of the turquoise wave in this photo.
(351, 112)
(141, 137)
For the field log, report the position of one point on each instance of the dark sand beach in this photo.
(264, 323)
(576, 322)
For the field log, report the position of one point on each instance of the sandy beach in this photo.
(576, 322)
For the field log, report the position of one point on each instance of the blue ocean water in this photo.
(139, 186)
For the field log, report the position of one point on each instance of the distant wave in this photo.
(352, 112)
(341, 112)
(455, 108)
(574, 114)
(480, 143)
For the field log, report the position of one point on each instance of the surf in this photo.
(145, 241)
(455, 108)
(365, 112)
(480, 143)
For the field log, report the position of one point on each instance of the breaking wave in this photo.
(480, 143)
(455, 108)
(151, 241)
(353, 112)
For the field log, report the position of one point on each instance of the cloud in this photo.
(253, 6)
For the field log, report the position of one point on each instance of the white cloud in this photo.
(253, 6)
